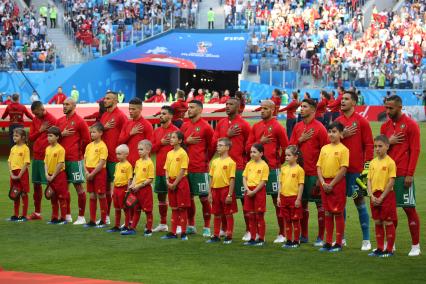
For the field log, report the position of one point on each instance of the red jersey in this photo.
(76, 143)
(7, 102)
(310, 148)
(40, 139)
(274, 150)
(214, 101)
(179, 109)
(156, 99)
(406, 153)
(277, 102)
(200, 153)
(160, 149)
(321, 108)
(16, 113)
(360, 145)
(334, 106)
(291, 109)
(58, 99)
(111, 136)
(132, 141)
(237, 152)
(223, 99)
(199, 98)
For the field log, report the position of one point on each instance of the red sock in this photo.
(305, 220)
(93, 207)
(81, 203)
(55, 207)
(247, 220)
(340, 228)
(63, 205)
(128, 216)
(136, 217)
(191, 213)
(183, 216)
(16, 205)
(117, 217)
(280, 220)
(230, 226)
(217, 220)
(380, 236)
(321, 221)
(253, 225)
(149, 220)
(38, 193)
(104, 208)
(390, 236)
(68, 204)
(108, 203)
(288, 229)
(175, 220)
(207, 211)
(413, 224)
(329, 226)
(24, 205)
(296, 227)
(224, 224)
(260, 219)
(162, 208)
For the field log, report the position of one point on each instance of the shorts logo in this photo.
(384, 168)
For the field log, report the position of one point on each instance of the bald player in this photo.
(404, 137)
(113, 120)
(272, 135)
(198, 138)
(74, 138)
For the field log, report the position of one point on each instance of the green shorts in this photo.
(37, 172)
(239, 186)
(309, 186)
(75, 171)
(160, 185)
(405, 197)
(272, 184)
(110, 167)
(199, 183)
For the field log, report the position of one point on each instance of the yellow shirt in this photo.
(144, 169)
(291, 178)
(256, 172)
(332, 158)
(175, 161)
(380, 172)
(19, 156)
(54, 156)
(94, 153)
(123, 173)
(221, 171)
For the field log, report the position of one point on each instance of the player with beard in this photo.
(161, 146)
(198, 138)
(272, 135)
(237, 130)
(310, 136)
(113, 121)
(74, 138)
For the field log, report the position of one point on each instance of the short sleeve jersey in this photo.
(221, 171)
(380, 171)
(175, 161)
(144, 169)
(54, 156)
(332, 158)
(256, 172)
(19, 156)
(290, 179)
(94, 153)
(123, 173)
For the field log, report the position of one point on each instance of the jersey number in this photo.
(76, 176)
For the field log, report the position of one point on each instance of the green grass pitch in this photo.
(73, 250)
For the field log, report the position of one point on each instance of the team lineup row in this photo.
(181, 182)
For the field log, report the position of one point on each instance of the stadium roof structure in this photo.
(189, 49)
